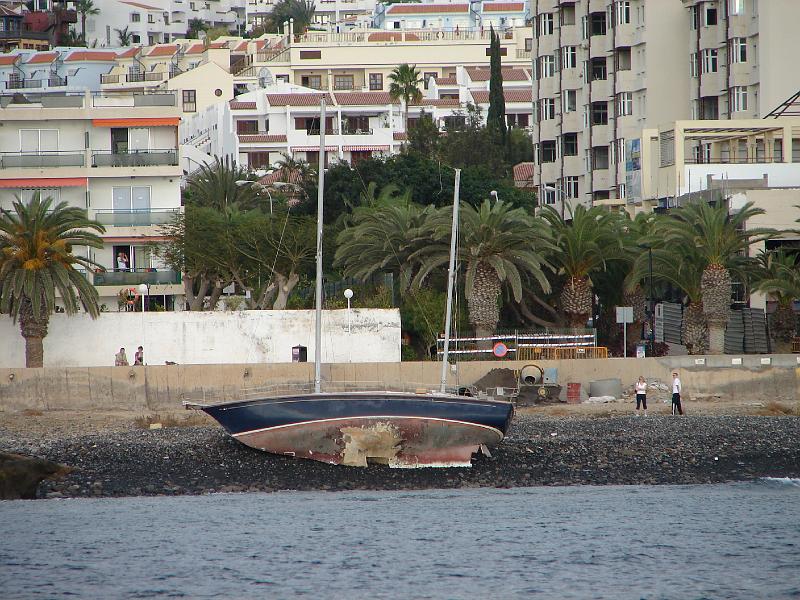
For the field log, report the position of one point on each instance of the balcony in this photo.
(140, 158)
(29, 84)
(109, 78)
(356, 131)
(12, 160)
(135, 218)
(134, 277)
(139, 77)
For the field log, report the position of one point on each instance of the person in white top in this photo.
(641, 395)
(676, 394)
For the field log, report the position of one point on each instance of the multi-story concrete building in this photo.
(117, 157)
(58, 71)
(739, 64)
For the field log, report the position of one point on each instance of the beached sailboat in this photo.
(416, 428)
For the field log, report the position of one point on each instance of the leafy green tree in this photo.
(405, 84)
(85, 8)
(497, 245)
(777, 275)
(496, 120)
(124, 36)
(195, 27)
(424, 137)
(37, 262)
(584, 244)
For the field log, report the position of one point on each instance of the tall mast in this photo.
(451, 276)
(320, 192)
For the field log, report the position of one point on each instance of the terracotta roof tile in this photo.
(261, 138)
(438, 102)
(446, 81)
(523, 174)
(362, 98)
(482, 96)
(9, 59)
(235, 105)
(503, 6)
(92, 55)
(163, 50)
(195, 49)
(399, 135)
(140, 5)
(509, 74)
(295, 99)
(218, 45)
(241, 47)
(130, 52)
(417, 9)
(42, 58)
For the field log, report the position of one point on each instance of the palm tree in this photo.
(85, 8)
(195, 27)
(584, 243)
(37, 260)
(72, 39)
(215, 186)
(123, 36)
(779, 276)
(405, 84)
(721, 239)
(498, 244)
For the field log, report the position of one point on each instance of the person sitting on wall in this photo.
(120, 359)
(138, 358)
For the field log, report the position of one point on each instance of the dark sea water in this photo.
(715, 541)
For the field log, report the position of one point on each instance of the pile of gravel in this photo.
(538, 451)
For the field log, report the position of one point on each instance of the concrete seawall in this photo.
(154, 388)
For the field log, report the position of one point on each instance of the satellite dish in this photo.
(265, 77)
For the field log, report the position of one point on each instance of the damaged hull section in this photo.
(355, 429)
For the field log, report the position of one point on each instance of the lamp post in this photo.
(348, 293)
(143, 291)
(651, 313)
(558, 192)
(494, 193)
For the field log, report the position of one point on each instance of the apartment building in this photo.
(116, 157)
(739, 62)
(58, 71)
(450, 15)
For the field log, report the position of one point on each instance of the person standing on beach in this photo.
(120, 359)
(641, 395)
(676, 394)
(138, 358)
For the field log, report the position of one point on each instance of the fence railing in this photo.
(135, 218)
(134, 277)
(143, 158)
(10, 160)
(575, 343)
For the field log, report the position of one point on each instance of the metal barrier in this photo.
(795, 345)
(545, 353)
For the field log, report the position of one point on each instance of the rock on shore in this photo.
(538, 451)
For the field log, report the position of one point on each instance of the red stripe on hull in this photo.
(396, 441)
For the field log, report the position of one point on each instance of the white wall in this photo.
(253, 336)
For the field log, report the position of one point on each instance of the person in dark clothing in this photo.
(676, 394)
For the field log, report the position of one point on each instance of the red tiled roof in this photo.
(260, 44)
(130, 52)
(503, 6)
(195, 49)
(482, 96)
(438, 102)
(295, 99)
(42, 57)
(390, 36)
(242, 105)
(399, 135)
(509, 74)
(140, 5)
(362, 98)
(241, 47)
(218, 45)
(261, 138)
(280, 175)
(365, 148)
(163, 50)
(416, 9)
(9, 59)
(93, 55)
(446, 81)
(523, 175)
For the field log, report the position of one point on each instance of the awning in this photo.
(313, 148)
(135, 239)
(44, 182)
(155, 122)
(365, 148)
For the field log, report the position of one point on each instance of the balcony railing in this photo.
(328, 131)
(27, 84)
(134, 277)
(141, 158)
(109, 78)
(11, 160)
(356, 131)
(135, 218)
(138, 77)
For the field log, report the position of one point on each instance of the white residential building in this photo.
(117, 158)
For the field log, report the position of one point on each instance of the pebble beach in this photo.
(539, 451)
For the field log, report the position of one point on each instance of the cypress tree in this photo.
(497, 103)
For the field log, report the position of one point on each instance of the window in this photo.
(623, 8)
(694, 64)
(569, 185)
(569, 144)
(130, 198)
(738, 98)
(621, 190)
(569, 57)
(624, 104)
(597, 23)
(623, 58)
(426, 77)
(311, 81)
(710, 15)
(547, 66)
(343, 82)
(547, 109)
(528, 44)
(151, 18)
(710, 60)
(694, 16)
(567, 15)
(598, 69)
(599, 113)
(258, 160)
(247, 127)
(310, 54)
(376, 82)
(737, 50)
(136, 17)
(189, 100)
(38, 141)
(735, 7)
(26, 195)
(517, 119)
(166, 18)
(617, 151)
(600, 157)
(136, 39)
(546, 24)
(548, 194)
(548, 149)
(570, 101)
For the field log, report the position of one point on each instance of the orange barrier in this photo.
(550, 353)
(795, 345)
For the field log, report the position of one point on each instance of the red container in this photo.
(573, 393)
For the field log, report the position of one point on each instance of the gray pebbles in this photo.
(538, 451)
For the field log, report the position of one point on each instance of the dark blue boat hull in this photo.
(402, 430)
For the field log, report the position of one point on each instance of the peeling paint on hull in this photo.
(403, 431)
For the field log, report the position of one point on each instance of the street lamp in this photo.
(348, 293)
(650, 299)
(143, 291)
(494, 193)
(557, 191)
